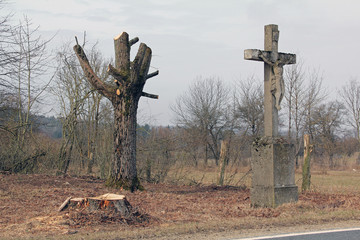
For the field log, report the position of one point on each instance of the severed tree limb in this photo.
(153, 74)
(65, 204)
(95, 81)
(116, 74)
(133, 41)
(144, 94)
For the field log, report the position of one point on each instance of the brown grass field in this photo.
(191, 209)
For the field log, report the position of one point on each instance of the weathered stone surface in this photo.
(254, 54)
(273, 166)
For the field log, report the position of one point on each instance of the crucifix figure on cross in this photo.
(274, 62)
(277, 80)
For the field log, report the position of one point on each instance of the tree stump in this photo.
(107, 202)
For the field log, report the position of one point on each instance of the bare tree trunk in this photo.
(68, 159)
(223, 161)
(306, 176)
(94, 138)
(206, 155)
(130, 78)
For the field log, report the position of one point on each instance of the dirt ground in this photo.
(29, 203)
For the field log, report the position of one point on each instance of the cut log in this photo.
(64, 205)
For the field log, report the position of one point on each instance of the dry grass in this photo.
(208, 175)
(193, 206)
(341, 182)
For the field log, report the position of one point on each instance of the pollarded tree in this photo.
(130, 78)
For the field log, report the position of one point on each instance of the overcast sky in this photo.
(192, 38)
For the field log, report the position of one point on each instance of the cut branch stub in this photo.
(118, 75)
(133, 41)
(153, 74)
(148, 95)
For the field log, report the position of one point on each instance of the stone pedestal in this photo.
(273, 167)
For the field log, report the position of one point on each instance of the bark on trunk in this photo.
(306, 166)
(124, 172)
(130, 78)
(223, 160)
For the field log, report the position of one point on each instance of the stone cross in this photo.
(272, 162)
(273, 79)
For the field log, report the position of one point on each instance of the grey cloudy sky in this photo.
(192, 38)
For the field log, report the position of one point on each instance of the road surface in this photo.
(336, 234)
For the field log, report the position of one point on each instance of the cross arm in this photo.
(258, 55)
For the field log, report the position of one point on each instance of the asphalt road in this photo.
(337, 234)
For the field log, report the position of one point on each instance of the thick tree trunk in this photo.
(124, 172)
(129, 78)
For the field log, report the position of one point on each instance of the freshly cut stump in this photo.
(107, 202)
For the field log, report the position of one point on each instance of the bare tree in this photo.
(295, 99)
(25, 89)
(29, 69)
(155, 152)
(70, 90)
(130, 79)
(250, 106)
(92, 114)
(350, 94)
(8, 49)
(202, 110)
(304, 93)
(79, 108)
(8, 57)
(327, 121)
(313, 96)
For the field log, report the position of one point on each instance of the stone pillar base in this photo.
(286, 194)
(273, 166)
(273, 197)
